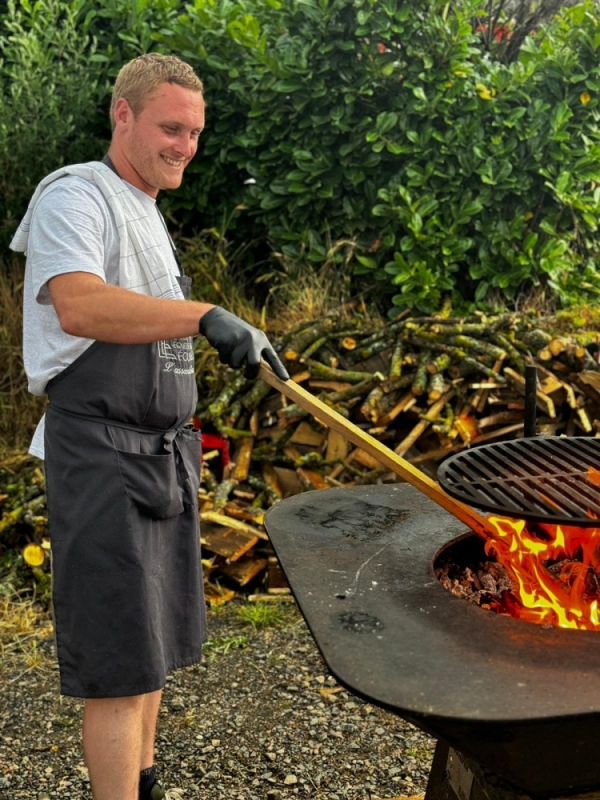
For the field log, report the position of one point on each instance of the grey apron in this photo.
(122, 473)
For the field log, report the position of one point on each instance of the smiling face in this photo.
(152, 150)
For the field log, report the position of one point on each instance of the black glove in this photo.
(236, 341)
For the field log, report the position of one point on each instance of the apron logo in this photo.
(178, 355)
(166, 351)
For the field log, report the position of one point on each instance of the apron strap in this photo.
(168, 434)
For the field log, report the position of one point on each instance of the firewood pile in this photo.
(425, 386)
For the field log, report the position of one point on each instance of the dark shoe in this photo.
(158, 792)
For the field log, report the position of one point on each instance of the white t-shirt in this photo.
(72, 230)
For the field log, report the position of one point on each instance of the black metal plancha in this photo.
(520, 699)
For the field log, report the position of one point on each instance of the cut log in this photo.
(312, 479)
(420, 381)
(245, 569)
(305, 434)
(364, 459)
(370, 408)
(412, 437)
(275, 575)
(292, 452)
(226, 542)
(396, 362)
(337, 446)
(232, 522)
(556, 346)
(270, 479)
(242, 457)
(217, 595)
(300, 377)
(435, 387)
(543, 399)
(584, 419)
(333, 386)
(404, 404)
(289, 481)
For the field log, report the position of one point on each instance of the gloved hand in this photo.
(236, 341)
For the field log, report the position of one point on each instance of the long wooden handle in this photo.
(380, 452)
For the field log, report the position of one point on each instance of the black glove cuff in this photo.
(203, 318)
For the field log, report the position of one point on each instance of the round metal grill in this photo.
(546, 479)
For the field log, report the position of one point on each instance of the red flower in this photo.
(502, 31)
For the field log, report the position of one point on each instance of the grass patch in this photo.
(219, 646)
(262, 615)
(23, 624)
(187, 720)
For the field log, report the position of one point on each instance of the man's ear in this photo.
(122, 111)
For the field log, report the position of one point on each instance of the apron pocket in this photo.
(151, 482)
(188, 443)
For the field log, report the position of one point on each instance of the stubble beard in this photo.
(154, 171)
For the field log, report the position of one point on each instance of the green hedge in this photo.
(375, 132)
(49, 95)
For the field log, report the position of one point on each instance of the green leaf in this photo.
(366, 261)
(291, 85)
(386, 121)
(380, 211)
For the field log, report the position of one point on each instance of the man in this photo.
(107, 336)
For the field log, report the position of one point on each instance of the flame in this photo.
(555, 570)
(593, 476)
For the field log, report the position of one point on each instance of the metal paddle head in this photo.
(552, 479)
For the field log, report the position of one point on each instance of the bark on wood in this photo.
(396, 361)
(329, 373)
(435, 387)
(420, 382)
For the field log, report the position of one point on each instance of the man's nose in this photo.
(186, 146)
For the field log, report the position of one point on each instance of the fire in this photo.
(555, 570)
(593, 476)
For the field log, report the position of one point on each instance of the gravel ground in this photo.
(260, 718)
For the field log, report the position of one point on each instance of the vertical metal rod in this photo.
(530, 391)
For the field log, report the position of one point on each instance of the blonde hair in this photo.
(140, 78)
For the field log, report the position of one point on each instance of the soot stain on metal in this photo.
(360, 622)
(361, 521)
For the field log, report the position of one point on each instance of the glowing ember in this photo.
(556, 569)
(593, 476)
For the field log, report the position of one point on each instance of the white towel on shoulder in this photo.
(141, 267)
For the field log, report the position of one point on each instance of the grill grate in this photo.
(545, 479)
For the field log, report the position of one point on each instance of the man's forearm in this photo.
(88, 307)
